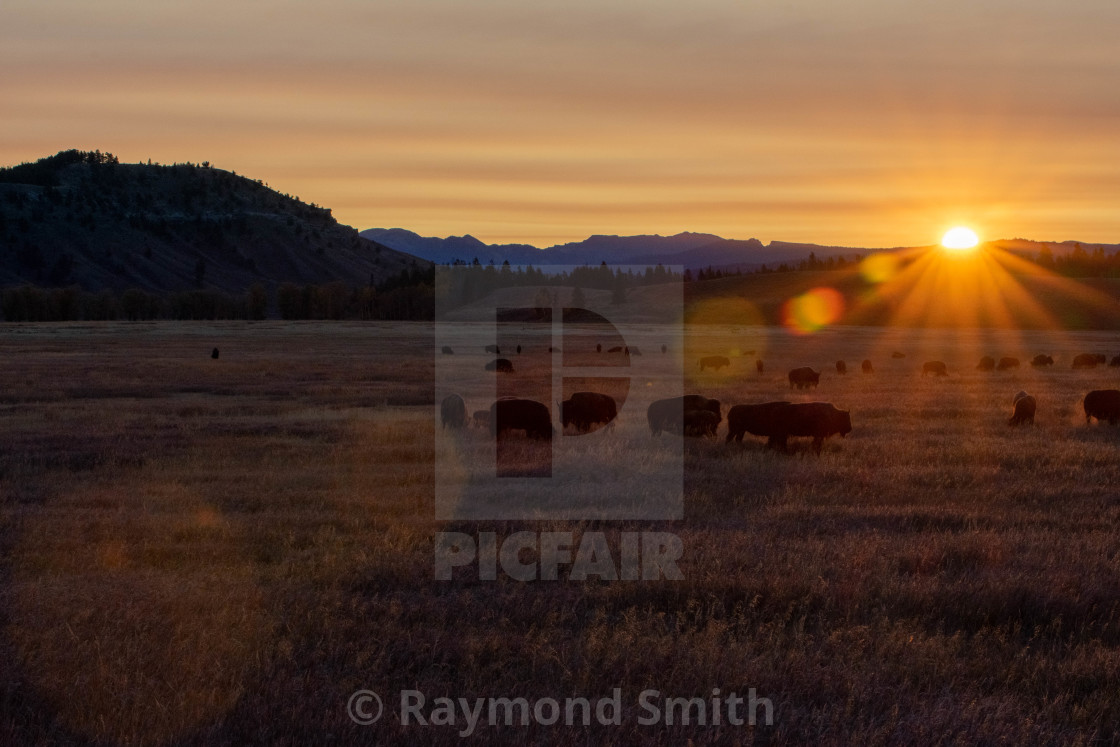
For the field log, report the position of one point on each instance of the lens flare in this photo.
(879, 268)
(813, 310)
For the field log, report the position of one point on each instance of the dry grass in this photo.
(198, 551)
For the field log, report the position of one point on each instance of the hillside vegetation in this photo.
(84, 219)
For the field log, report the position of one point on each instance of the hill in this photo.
(81, 218)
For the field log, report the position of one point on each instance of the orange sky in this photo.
(864, 123)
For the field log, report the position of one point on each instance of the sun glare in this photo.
(960, 238)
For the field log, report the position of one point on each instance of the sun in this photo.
(960, 239)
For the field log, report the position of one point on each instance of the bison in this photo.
(446, 350)
(453, 412)
(599, 348)
(804, 377)
(841, 367)
(700, 423)
(1103, 404)
(866, 366)
(586, 409)
(664, 348)
(481, 418)
(1087, 360)
(714, 361)
(1007, 363)
(1041, 360)
(214, 354)
(615, 349)
(937, 368)
(987, 363)
(758, 365)
(519, 350)
(501, 365)
(779, 421)
(669, 414)
(1025, 406)
(754, 419)
(512, 414)
(1115, 362)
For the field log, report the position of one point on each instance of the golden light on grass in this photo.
(960, 239)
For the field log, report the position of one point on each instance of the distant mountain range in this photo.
(690, 250)
(81, 218)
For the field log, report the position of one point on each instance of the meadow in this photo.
(198, 551)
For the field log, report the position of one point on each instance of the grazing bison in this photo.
(1042, 360)
(937, 368)
(446, 350)
(1007, 362)
(453, 411)
(987, 363)
(527, 415)
(841, 367)
(897, 354)
(1024, 405)
(586, 409)
(1115, 362)
(214, 354)
(804, 377)
(501, 365)
(481, 418)
(714, 361)
(669, 414)
(493, 349)
(757, 420)
(1087, 360)
(758, 365)
(866, 366)
(779, 421)
(1103, 404)
(700, 423)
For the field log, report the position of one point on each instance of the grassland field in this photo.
(198, 551)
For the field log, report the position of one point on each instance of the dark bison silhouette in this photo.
(214, 353)
(897, 354)
(866, 366)
(804, 377)
(599, 348)
(1115, 362)
(501, 365)
(446, 350)
(987, 363)
(1103, 404)
(841, 367)
(615, 349)
(453, 411)
(1007, 363)
(758, 365)
(757, 420)
(512, 414)
(700, 423)
(937, 368)
(1087, 360)
(1025, 406)
(493, 349)
(586, 409)
(714, 361)
(519, 350)
(780, 421)
(669, 414)
(1041, 360)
